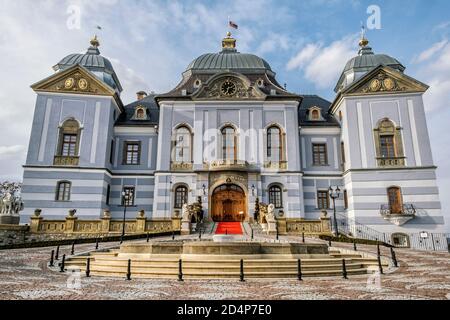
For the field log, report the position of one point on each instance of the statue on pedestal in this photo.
(10, 202)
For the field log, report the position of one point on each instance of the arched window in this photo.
(229, 143)
(183, 145)
(181, 196)
(388, 142)
(315, 115)
(395, 200)
(140, 113)
(276, 196)
(274, 144)
(69, 136)
(63, 189)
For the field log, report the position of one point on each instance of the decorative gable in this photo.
(76, 80)
(229, 87)
(385, 80)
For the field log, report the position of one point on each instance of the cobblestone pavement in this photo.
(422, 275)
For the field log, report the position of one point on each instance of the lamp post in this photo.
(334, 194)
(125, 198)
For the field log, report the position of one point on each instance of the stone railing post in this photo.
(325, 222)
(281, 224)
(141, 221)
(106, 221)
(70, 221)
(176, 223)
(36, 221)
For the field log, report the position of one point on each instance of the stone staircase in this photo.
(113, 265)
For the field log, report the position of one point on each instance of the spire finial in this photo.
(94, 42)
(229, 43)
(363, 42)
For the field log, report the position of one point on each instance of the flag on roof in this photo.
(232, 25)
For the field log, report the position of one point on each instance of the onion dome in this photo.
(364, 62)
(94, 62)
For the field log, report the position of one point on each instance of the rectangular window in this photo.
(132, 153)
(69, 145)
(387, 146)
(345, 200)
(108, 194)
(319, 154)
(63, 191)
(129, 195)
(342, 153)
(111, 155)
(322, 200)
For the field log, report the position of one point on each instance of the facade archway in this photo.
(228, 203)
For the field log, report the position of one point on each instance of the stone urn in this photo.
(141, 214)
(281, 213)
(324, 214)
(177, 213)
(72, 212)
(106, 214)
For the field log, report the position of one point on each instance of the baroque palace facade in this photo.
(230, 134)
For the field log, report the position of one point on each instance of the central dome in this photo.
(229, 59)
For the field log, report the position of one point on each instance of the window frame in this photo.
(270, 149)
(183, 148)
(273, 191)
(321, 198)
(179, 204)
(67, 190)
(324, 152)
(125, 153)
(225, 148)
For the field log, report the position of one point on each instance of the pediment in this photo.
(228, 87)
(385, 80)
(75, 80)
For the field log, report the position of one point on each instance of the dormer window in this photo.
(197, 83)
(260, 83)
(140, 113)
(315, 114)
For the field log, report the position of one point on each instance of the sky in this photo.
(150, 43)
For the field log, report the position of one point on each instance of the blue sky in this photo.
(151, 42)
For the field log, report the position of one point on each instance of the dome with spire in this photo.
(364, 62)
(229, 59)
(94, 62)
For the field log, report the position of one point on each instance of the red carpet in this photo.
(229, 228)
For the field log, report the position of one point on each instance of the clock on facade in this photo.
(228, 88)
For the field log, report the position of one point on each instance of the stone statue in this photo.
(10, 202)
(270, 212)
(185, 213)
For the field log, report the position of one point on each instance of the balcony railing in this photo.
(398, 217)
(406, 208)
(276, 165)
(226, 165)
(181, 166)
(66, 161)
(391, 162)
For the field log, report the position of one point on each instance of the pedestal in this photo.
(9, 219)
(272, 227)
(186, 228)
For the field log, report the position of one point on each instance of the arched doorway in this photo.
(228, 203)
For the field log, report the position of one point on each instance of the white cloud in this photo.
(323, 64)
(11, 150)
(430, 52)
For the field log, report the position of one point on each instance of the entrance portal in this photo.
(228, 203)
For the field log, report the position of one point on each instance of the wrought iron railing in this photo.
(406, 208)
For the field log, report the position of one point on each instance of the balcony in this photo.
(239, 165)
(181, 166)
(391, 162)
(275, 165)
(66, 161)
(398, 217)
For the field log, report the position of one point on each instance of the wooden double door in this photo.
(228, 203)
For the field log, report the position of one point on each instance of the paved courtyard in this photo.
(24, 275)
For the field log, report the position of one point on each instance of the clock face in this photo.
(69, 83)
(82, 84)
(228, 88)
